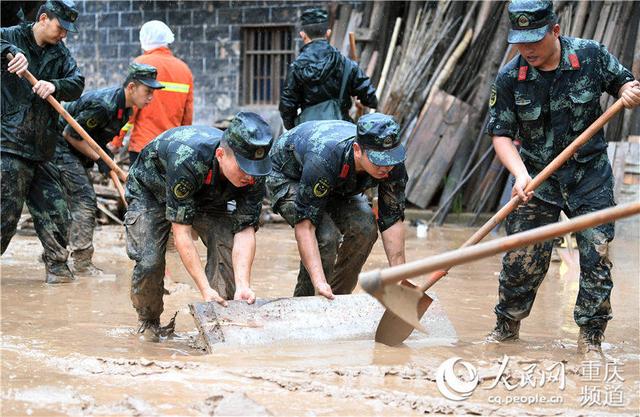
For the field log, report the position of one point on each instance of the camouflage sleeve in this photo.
(92, 118)
(185, 175)
(290, 99)
(248, 206)
(614, 74)
(502, 109)
(70, 83)
(361, 86)
(391, 198)
(316, 183)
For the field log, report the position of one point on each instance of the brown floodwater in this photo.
(71, 349)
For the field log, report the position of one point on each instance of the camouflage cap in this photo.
(313, 16)
(65, 11)
(250, 138)
(377, 134)
(144, 73)
(530, 20)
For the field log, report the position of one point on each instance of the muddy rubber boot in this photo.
(150, 330)
(590, 343)
(86, 267)
(83, 265)
(505, 330)
(58, 273)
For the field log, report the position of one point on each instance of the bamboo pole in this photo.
(387, 62)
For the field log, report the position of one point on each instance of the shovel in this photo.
(379, 282)
(407, 303)
(117, 174)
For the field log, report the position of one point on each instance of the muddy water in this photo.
(71, 349)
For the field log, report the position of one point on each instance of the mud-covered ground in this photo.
(71, 349)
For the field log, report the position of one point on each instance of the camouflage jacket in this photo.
(546, 116)
(102, 113)
(319, 155)
(316, 75)
(28, 122)
(178, 169)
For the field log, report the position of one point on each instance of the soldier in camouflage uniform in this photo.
(184, 181)
(102, 113)
(545, 97)
(316, 74)
(27, 141)
(320, 170)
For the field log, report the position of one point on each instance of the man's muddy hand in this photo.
(246, 294)
(210, 294)
(324, 289)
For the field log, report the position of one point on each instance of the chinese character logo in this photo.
(451, 385)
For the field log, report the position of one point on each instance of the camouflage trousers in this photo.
(524, 269)
(81, 199)
(147, 235)
(346, 234)
(38, 184)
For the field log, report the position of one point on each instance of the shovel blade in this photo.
(405, 308)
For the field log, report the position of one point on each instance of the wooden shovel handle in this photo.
(553, 166)
(118, 185)
(373, 280)
(76, 126)
(352, 46)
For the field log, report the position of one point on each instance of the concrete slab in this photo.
(305, 320)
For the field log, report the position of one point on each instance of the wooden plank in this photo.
(611, 152)
(340, 25)
(602, 22)
(452, 126)
(425, 138)
(632, 160)
(365, 34)
(431, 179)
(618, 167)
(305, 320)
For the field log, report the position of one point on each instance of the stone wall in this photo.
(207, 38)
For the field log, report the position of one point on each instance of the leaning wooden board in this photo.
(305, 320)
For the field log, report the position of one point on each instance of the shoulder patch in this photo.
(183, 189)
(494, 95)
(92, 122)
(321, 188)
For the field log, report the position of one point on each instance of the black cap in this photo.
(250, 138)
(146, 74)
(313, 16)
(530, 20)
(377, 134)
(65, 11)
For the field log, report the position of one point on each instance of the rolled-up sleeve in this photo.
(614, 74)
(391, 198)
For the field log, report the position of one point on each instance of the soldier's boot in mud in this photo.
(150, 330)
(505, 330)
(83, 265)
(590, 342)
(58, 273)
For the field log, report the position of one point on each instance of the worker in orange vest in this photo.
(173, 105)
